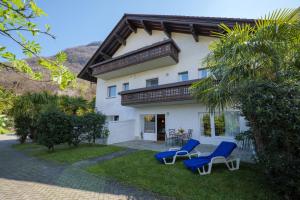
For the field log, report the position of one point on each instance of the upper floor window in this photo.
(152, 82)
(112, 91)
(125, 86)
(203, 73)
(183, 76)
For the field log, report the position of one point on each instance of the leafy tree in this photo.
(256, 68)
(94, 126)
(28, 107)
(6, 99)
(54, 127)
(16, 20)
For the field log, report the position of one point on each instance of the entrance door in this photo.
(161, 128)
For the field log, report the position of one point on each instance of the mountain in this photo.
(77, 57)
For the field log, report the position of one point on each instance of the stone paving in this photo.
(23, 177)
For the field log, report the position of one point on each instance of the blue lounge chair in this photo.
(220, 155)
(172, 153)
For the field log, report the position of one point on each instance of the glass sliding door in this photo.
(219, 121)
(225, 124)
(232, 123)
(205, 124)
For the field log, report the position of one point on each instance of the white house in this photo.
(144, 69)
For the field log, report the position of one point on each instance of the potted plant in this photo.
(104, 135)
(180, 131)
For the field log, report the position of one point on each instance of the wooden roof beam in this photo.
(146, 27)
(105, 56)
(130, 26)
(166, 29)
(194, 32)
(120, 39)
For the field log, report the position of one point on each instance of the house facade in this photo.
(143, 71)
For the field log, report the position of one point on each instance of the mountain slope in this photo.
(77, 57)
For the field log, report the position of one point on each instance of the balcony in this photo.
(173, 92)
(157, 55)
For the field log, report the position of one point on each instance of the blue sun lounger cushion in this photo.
(172, 154)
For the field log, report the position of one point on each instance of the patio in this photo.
(246, 156)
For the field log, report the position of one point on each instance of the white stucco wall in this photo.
(190, 59)
(177, 116)
(120, 131)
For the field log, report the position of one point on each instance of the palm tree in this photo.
(72, 105)
(247, 57)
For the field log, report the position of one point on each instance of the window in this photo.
(152, 82)
(203, 73)
(206, 125)
(149, 124)
(116, 118)
(112, 91)
(219, 120)
(183, 76)
(220, 124)
(112, 118)
(125, 86)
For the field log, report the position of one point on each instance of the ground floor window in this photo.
(110, 118)
(149, 123)
(220, 124)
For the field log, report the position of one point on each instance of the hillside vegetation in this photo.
(77, 57)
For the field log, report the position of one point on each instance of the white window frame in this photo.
(152, 79)
(108, 91)
(207, 72)
(212, 125)
(181, 73)
(124, 89)
(155, 126)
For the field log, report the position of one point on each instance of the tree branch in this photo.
(10, 68)
(18, 11)
(27, 30)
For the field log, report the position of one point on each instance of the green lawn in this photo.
(142, 170)
(66, 154)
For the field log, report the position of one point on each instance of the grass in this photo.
(4, 131)
(66, 154)
(142, 170)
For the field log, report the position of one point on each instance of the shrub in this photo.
(76, 135)
(54, 127)
(29, 107)
(277, 108)
(22, 127)
(94, 126)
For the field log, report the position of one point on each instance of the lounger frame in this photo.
(231, 163)
(172, 162)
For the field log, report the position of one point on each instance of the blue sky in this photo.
(78, 22)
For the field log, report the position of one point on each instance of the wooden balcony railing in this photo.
(166, 48)
(163, 93)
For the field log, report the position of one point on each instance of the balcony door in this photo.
(161, 127)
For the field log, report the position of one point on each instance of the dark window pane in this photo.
(152, 82)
